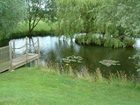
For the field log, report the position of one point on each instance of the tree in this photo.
(114, 21)
(76, 16)
(11, 12)
(119, 18)
(38, 10)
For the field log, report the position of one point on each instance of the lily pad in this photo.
(109, 63)
(74, 59)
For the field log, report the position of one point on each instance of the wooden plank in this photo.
(20, 61)
(4, 66)
(4, 69)
(4, 58)
(10, 55)
(1, 48)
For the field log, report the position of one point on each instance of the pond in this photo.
(54, 49)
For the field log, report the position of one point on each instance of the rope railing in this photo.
(29, 46)
(25, 45)
(8, 53)
(20, 47)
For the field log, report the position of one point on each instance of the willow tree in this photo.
(119, 18)
(115, 21)
(76, 16)
(11, 12)
(132, 22)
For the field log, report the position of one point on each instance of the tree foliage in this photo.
(11, 12)
(38, 10)
(76, 16)
(119, 17)
(115, 21)
(109, 17)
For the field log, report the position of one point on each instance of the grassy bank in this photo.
(32, 86)
(42, 29)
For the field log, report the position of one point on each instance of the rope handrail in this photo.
(21, 53)
(20, 47)
(33, 45)
(10, 56)
(28, 47)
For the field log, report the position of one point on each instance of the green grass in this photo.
(32, 86)
(23, 26)
(42, 29)
(21, 31)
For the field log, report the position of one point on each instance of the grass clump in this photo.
(33, 86)
(99, 40)
(88, 40)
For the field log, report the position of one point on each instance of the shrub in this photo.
(95, 39)
(129, 42)
(88, 40)
(114, 43)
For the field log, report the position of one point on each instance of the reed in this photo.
(119, 79)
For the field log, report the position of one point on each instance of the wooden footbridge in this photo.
(9, 60)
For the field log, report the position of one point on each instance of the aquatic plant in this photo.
(72, 59)
(91, 39)
(109, 63)
(113, 42)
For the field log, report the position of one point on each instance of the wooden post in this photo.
(10, 55)
(38, 51)
(26, 49)
(13, 49)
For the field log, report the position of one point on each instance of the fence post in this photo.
(13, 49)
(10, 55)
(26, 49)
(38, 50)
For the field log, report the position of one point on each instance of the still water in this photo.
(53, 49)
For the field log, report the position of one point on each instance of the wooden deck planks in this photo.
(4, 68)
(7, 62)
(22, 60)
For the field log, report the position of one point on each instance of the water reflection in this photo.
(53, 49)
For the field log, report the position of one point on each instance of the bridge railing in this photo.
(8, 53)
(30, 47)
(4, 58)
